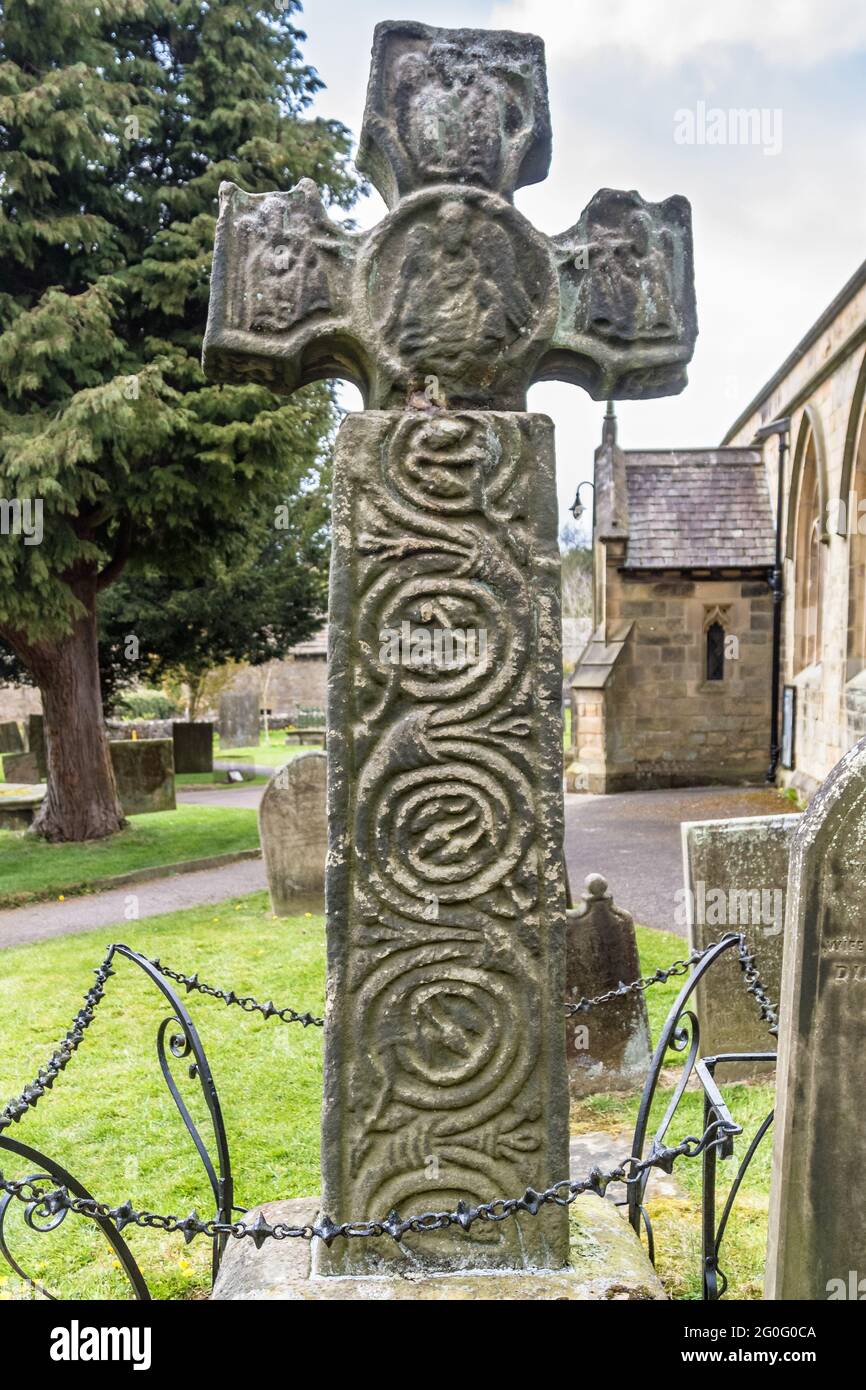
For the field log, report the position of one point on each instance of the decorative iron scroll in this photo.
(47, 1206)
(177, 1040)
(681, 1034)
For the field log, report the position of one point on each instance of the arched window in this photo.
(809, 564)
(715, 652)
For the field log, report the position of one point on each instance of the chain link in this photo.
(755, 986)
(51, 1202)
(18, 1107)
(243, 1001)
(59, 1060)
(679, 967)
(751, 979)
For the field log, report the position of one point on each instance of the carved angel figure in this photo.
(627, 292)
(460, 295)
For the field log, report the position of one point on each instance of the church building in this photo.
(673, 688)
(675, 685)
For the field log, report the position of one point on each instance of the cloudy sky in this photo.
(779, 226)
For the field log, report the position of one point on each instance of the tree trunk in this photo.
(194, 686)
(81, 802)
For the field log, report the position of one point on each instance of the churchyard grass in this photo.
(32, 870)
(270, 752)
(676, 1221)
(111, 1120)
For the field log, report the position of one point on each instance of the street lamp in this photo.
(577, 508)
(781, 428)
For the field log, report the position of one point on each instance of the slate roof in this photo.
(698, 509)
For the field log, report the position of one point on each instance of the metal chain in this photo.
(51, 1202)
(59, 1060)
(755, 986)
(16, 1108)
(679, 967)
(244, 1001)
(752, 980)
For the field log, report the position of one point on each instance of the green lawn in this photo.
(676, 1223)
(270, 752)
(110, 1119)
(31, 870)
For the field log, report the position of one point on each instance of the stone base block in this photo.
(19, 804)
(608, 1262)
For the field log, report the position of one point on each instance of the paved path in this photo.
(633, 838)
(43, 920)
(237, 794)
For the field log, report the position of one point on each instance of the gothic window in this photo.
(809, 563)
(715, 652)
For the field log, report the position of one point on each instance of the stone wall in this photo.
(823, 386)
(295, 683)
(298, 683)
(658, 721)
(18, 701)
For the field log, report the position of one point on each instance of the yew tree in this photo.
(117, 123)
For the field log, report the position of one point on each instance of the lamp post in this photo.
(781, 428)
(577, 507)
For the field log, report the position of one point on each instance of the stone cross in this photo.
(817, 1238)
(445, 1074)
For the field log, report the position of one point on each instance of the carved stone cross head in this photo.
(454, 283)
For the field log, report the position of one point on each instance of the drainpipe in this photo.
(782, 428)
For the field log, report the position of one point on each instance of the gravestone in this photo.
(239, 719)
(10, 737)
(445, 1076)
(736, 872)
(22, 767)
(144, 774)
(36, 743)
(193, 746)
(817, 1236)
(608, 1047)
(293, 828)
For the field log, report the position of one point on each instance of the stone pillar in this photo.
(608, 1047)
(444, 1063)
(818, 1195)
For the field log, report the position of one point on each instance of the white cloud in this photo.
(668, 32)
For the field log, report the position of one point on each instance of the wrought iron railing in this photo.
(49, 1193)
